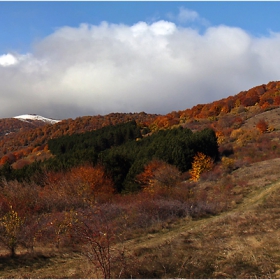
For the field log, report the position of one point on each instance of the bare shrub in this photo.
(96, 236)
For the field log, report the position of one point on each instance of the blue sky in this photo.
(23, 23)
(67, 59)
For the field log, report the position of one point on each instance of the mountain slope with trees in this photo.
(218, 115)
(193, 194)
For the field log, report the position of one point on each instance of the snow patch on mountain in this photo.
(33, 117)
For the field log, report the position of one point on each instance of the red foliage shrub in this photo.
(9, 158)
(80, 186)
(262, 126)
(158, 174)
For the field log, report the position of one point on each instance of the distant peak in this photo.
(34, 117)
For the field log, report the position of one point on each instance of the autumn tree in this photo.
(277, 100)
(93, 181)
(200, 164)
(220, 137)
(84, 183)
(262, 126)
(10, 227)
(158, 173)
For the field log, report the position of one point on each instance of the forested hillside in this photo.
(23, 142)
(94, 186)
(12, 125)
(122, 151)
(26, 141)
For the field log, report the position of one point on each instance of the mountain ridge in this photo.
(26, 132)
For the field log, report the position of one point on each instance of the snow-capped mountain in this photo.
(34, 117)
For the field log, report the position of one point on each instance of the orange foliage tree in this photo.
(93, 180)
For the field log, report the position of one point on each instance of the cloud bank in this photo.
(156, 68)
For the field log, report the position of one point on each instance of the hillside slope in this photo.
(225, 225)
(17, 137)
(240, 243)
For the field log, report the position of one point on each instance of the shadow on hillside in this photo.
(24, 260)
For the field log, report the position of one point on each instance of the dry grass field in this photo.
(240, 243)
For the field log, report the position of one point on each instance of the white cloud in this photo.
(186, 15)
(156, 68)
(163, 28)
(7, 60)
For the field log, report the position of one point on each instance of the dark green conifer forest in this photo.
(123, 151)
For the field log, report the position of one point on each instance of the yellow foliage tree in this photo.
(11, 224)
(220, 137)
(200, 164)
